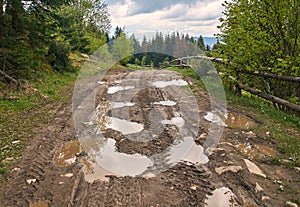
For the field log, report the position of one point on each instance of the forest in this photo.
(258, 40)
(92, 115)
(39, 35)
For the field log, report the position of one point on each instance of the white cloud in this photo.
(195, 18)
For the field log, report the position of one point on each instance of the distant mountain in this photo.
(208, 40)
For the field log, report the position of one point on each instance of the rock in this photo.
(268, 133)
(193, 187)
(60, 183)
(149, 175)
(234, 169)
(291, 204)
(265, 198)
(281, 188)
(258, 188)
(8, 159)
(227, 143)
(253, 168)
(297, 168)
(68, 175)
(203, 136)
(228, 162)
(16, 169)
(29, 181)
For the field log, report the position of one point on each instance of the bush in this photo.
(58, 57)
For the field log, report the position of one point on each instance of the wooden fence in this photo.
(185, 62)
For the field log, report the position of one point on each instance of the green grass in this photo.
(283, 126)
(26, 109)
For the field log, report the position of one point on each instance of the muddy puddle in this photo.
(165, 103)
(231, 119)
(40, 204)
(221, 197)
(123, 126)
(177, 121)
(116, 105)
(107, 160)
(115, 89)
(163, 84)
(67, 154)
(187, 150)
(254, 151)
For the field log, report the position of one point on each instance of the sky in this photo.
(145, 17)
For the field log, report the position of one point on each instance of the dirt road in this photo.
(130, 152)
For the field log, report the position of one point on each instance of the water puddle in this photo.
(115, 89)
(165, 103)
(123, 126)
(116, 105)
(196, 155)
(108, 160)
(39, 204)
(106, 122)
(67, 154)
(215, 117)
(235, 120)
(163, 84)
(252, 151)
(221, 197)
(92, 171)
(177, 121)
(179, 152)
(268, 151)
(230, 119)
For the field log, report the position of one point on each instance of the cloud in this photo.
(146, 6)
(146, 17)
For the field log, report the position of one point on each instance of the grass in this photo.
(27, 108)
(284, 127)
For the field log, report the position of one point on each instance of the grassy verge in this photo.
(283, 128)
(23, 110)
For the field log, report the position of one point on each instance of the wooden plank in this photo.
(270, 97)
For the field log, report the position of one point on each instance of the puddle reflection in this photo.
(222, 197)
(165, 103)
(116, 105)
(163, 84)
(115, 89)
(178, 152)
(108, 160)
(230, 119)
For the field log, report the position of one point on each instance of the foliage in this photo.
(58, 57)
(263, 35)
(122, 49)
(28, 29)
(162, 49)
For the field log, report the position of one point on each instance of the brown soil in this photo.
(184, 184)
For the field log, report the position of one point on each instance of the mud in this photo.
(186, 180)
(67, 154)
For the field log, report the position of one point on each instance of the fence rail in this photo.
(185, 62)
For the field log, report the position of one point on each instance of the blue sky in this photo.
(145, 17)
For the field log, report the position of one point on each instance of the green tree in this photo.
(122, 49)
(263, 35)
(200, 43)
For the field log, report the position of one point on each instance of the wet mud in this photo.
(138, 153)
